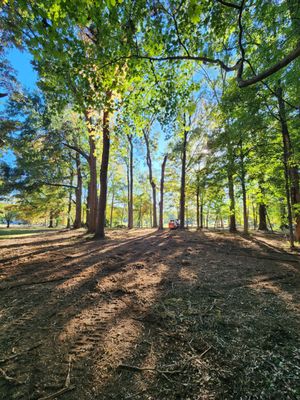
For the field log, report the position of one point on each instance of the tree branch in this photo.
(227, 4)
(270, 71)
(57, 184)
(204, 59)
(78, 150)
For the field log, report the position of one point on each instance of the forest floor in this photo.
(149, 315)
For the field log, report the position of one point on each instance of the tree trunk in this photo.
(103, 176)
(244, 193)
(182, 185)
(201, 213)
(262, 212)
(161, 204)
(78, 194)
(198, 207)
(286, 162)
(232, 220)
(70, 201)
(7, 223)
(92, 187)
(254, 215)
(69, 210)
(150, 213)
(130, 184)
(151, 180)
(51, 217)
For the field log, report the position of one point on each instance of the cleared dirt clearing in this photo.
(149, 315)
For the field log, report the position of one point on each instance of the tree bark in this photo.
(291, 179)
(78, 194)
(68, 226)
(51, 217)
(100, 234)
(130, 184)
(92, 187)
(232, 220)
(151, 180)
(161, 204)
(201, 213)
(182, 185)
(70, 199)
(198, 207)
(262, 212)
(244, 193)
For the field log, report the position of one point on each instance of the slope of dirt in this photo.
(149, 315)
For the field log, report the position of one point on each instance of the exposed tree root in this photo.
(67, 387)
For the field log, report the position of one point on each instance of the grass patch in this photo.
(10, 233)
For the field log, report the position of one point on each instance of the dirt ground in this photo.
(149, 315)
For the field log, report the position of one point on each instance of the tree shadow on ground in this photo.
(206, 318)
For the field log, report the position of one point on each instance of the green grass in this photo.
(13, 232)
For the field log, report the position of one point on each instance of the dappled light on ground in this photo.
(157, 315)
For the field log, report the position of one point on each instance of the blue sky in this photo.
(27, 76)
(21, 62)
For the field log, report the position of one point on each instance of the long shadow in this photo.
(42, 242)
(162, 315)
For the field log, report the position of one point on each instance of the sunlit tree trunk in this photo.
(244, 194)
(151, 180)
(182, 183)
(92, 186)
(201, 213)
(70, 199)
(290, 174)
(78, 194)
(103, 175)
(161, 204)
(198, 207)
(130, 184)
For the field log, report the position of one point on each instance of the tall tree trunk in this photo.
(130, 184)
(68, 226)
(78, 194)
(254, 215)
(103, 175)
(51, 218)
(161, 204)
(151, 180)
(70, 199)
(87, 216)
(92, 187)
(201, 213)
(244, 193)
(198, 206)
(232, 220)
(287, 150)
(182, 183)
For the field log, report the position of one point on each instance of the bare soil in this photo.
(149, 315)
